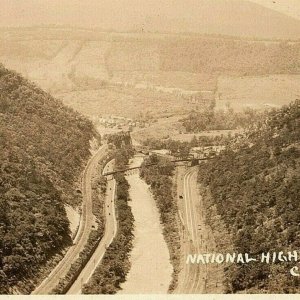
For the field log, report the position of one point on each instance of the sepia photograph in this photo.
(150, 148)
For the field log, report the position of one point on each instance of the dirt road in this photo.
(110, 231)
(84, 230)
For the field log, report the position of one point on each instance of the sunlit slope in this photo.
(66, 60)
(153, 70)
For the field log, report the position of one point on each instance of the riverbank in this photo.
(114, 266)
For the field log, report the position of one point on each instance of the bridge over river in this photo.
(193, 161)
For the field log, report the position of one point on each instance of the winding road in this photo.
(192, 277)
(85, 228)
(110, 232)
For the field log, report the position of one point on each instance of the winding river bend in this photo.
(151, 270)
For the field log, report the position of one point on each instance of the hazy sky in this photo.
(112, 13)
(288, 7)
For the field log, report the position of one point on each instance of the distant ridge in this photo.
(231, 18)
(238, 18)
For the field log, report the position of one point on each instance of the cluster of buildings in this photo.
(195, 152)
(202, 97)
(208, 151)
(116, 122)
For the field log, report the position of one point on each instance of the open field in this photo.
(121, 101)
(121, 73)
(258, 91)
(171, 128)
(175, 79)
(187, 137)
(149, 147)
(164, 128)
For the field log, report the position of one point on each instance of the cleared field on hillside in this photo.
(258, 91)
(122, 101)
(182, 80)
(171, 128)
(132, 74)
(163, 129)
(187, 137)
(58, 59)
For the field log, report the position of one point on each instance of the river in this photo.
(151, 270)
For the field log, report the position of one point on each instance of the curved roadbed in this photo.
(85, 228)
(110, 232)
(197, 238)
(192, 278)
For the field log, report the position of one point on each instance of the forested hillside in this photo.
(43, 148)
(255, 189)
(202, 54)
(75, 60)
(212, 119)
(229, 56)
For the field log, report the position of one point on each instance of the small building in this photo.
(160, 152)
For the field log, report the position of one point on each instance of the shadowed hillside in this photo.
(43, 148)
(254, 188)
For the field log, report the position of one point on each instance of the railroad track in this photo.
(52, 280)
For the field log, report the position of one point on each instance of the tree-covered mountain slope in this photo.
(255, 189)
(43, 148)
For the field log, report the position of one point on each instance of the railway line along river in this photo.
(151, 270)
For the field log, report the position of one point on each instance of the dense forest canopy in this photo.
(255, 189)
(212, 119)
(43, 148)
(230, 56)
(204, 54)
